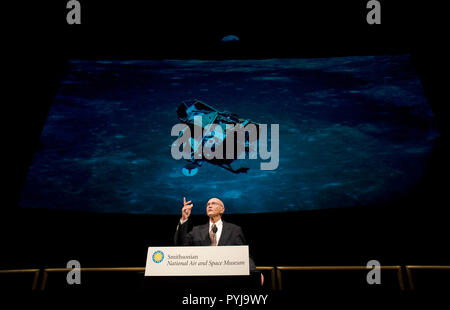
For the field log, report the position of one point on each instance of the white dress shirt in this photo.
(219, 225)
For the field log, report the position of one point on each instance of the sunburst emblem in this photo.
(158, 257)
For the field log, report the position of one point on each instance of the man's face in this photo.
(214, 207)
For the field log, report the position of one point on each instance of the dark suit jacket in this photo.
(199, 236)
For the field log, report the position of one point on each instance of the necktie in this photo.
(212, 235)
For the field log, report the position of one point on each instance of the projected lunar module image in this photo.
(210, 120)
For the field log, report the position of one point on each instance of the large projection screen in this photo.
(352, 132)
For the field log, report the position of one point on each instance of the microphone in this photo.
(214, 229)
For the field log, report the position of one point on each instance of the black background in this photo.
(411, 230)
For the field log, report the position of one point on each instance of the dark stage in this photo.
(363, 158)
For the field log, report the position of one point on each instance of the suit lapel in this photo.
(205, 234)
(225, 234)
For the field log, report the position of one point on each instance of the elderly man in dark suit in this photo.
(215, 233)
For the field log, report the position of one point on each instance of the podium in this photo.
(206, 283)
(201, 267)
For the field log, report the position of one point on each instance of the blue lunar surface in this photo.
(354, 131)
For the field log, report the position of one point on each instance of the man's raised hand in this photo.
(186, 211)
